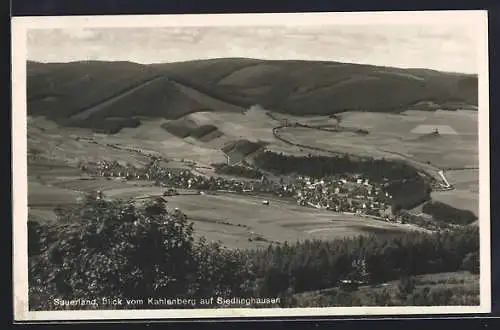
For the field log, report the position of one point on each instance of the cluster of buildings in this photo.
(347, 194)
(177, 177)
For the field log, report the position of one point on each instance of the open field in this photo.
(466, 192)
(464, 179)
(72, 145)
(253, 125)
(46, 196)
(458, 198)
(294, 150)
(305, 120)
(150, 137)
(332, 141)
(391, 135)
(75, 144)
(233, 219)
(48, 169)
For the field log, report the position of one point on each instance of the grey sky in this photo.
(443, 47)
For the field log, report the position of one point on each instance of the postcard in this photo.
(250, 165)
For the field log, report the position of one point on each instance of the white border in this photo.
(20, 25)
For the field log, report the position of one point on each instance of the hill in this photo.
(305, 87)
(85, 93)
(454, 288)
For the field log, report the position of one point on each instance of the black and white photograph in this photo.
(250, 165)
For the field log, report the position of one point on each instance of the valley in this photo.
(194, 116)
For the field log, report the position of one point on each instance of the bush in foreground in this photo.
(116, 249)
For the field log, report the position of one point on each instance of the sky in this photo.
(440, 47)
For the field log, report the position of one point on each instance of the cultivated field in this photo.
(466, 192)
(75, 144)
(72, 145)
(391, 135)
(294, 150)
(464, 179)
(253, 125)
(48, 196)
(242, 221)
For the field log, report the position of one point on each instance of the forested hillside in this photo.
(85, 93)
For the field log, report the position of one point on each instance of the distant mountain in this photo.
(83, 93)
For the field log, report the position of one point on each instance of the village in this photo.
(350, 194)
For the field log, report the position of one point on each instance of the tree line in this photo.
(445, 213)
(120, 249)
(242, 171)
